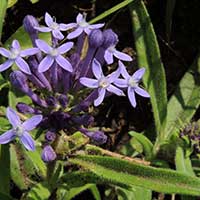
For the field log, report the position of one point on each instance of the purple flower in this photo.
(54, 54)
(20, 129)
(132, 83)
(81, 26)
(112, 51)
(48, 154)
(15, 55)
(103, 83)
(53, 27)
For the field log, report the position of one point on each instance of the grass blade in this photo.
(3, 7)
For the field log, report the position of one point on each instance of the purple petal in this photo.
(114, 75)
(57, 34)
(108, 56)
(64, 63)
(121, 83)
(12, 117)
(65, 47)
(31, 123)
(29, 52)
(48, 19)
(122, 56)
(99, 100)
(45, 64)
(7, 137)
(123, 70)
(88, 82)
(23, 65)
(96, 69)
(75, 33)
(79, 18)
(4, 52)
(65, 27)
(141, 92)
(27, 141)
(6, 65)
(43, 29)
(87, 30)
(15, 45)
(96, 26)
(115, 90)
(43, 46)
(138, 74)
(131, 96)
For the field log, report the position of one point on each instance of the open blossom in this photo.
(15, 55)
(132, 83)
(20, 129)
(54, 54)
(53, 27)
(81, 26)
(103, 83)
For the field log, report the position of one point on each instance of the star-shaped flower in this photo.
(52, 26)
(111, 52)
(15, 55)
(54, 54)
(81, 26)
(103, 83)
(20, 129)
(132, 83)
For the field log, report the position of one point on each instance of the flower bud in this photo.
(24, 108)
(48, 154)
(63, 100)
(96, 38)
(19, 81)
(51, 101)
(50, 136)
(110, 38)
(84, 120)
(29, 23)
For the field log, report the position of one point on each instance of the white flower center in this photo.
(54, 26)
(83, 24)
(19, 130)
(132, 82)
(54, 52)
(103, 82)
(112, 49)
(14, 53)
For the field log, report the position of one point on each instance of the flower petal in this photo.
(45, 64)
(23, 65)
(114, 75)
(79, 18)
(99, 100)
(138, 74)
(88, 82)
(27, 141)
(31, 123)
(65, 27)
(87, 30)
(96, 69)
(43, 29)
(131, 96)
(13, 117)
(121, 83)
(122, 56)
(48, 19)
(29, 52)
(108, 56)
(57, 34)
(65, 47)
(96, 26)
(141, 92)
(15, 44)
(115, 90)
(123, 70)
(64, 63)
(75, 33)
(6, 65)
(7, 137)
(4, 52)
(43, 46)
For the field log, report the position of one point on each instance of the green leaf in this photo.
(3, 6)
(5, 197)
(34, 1)
(148, 56)
(185, 100)
(145, 142)
(11, 3)
(117, 171)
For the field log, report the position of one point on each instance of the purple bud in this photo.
(48, 154)
(96, 38)
(63, 100)
(24, 108)
(85, 120)
(19, 81)
(110, 38)
(29, 23)
(51, 101)
(50, 136)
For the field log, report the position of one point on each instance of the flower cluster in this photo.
(54, 75)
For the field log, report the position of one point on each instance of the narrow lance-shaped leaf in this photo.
(117, 171)
(148, 56)
(3, 6)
